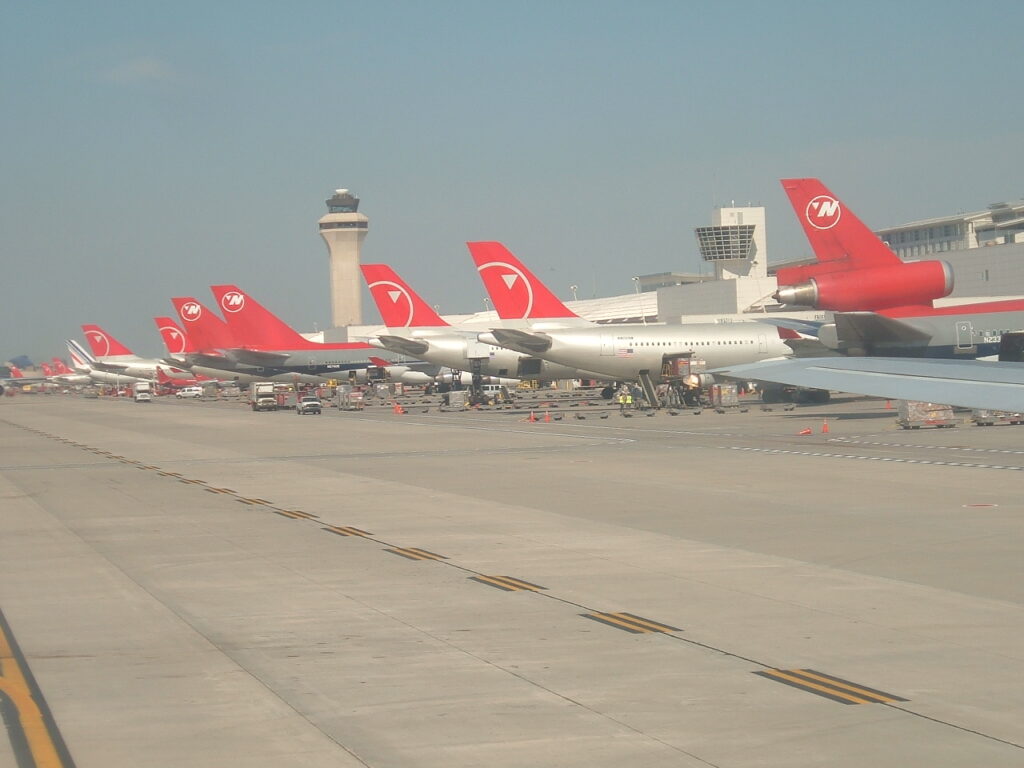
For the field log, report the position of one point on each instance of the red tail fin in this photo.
(400, 306)
(834, 232)
(46, 369)
(161, 377)
(16, 372)
(60, 366)
(516, 292)
(254, 325)
(175, 340)
(204, 328)
(855, 270)
(102, 344)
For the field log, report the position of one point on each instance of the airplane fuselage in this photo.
(624, 352)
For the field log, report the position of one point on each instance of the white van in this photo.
(189, 392)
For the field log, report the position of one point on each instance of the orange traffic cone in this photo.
(547, 417)
(532, 418)
(399, 409)
(888, 405)
(824, 426)
(807, 431)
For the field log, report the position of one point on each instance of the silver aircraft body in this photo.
(415, 329)
(624, 353)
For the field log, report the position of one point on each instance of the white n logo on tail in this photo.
(823, 212)
(232, 301)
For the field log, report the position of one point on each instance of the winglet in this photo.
(516, 292)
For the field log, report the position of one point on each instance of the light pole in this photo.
(636, 287)
(573, 289)
(487, 304)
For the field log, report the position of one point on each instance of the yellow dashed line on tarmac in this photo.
(507, 583)
(414, 553)
(630, 622)
(345, 530)
(834, 688)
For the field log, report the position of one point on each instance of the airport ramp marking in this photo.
(346, 530)
(828, 686)
(507, 583)
(892, 459)
(35, 739)
(630, 622)
(415, 553)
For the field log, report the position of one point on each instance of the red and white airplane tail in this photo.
(854, 270)
(203, 327)
(16, 372)
(252, 324)
(399, 305)
(175, 339)
(61, 367)
(516, 292)
(103, 344)
(256, 327)
(48, 372)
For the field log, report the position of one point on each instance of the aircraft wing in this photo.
(259, 358)
(966, 383)
(101, 365)
(403, 346)
(521, 341)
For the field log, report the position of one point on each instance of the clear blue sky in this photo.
(151, 149)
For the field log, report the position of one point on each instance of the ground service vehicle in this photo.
(262, 396)
(189, 392)
(142, 391)
(309, 404)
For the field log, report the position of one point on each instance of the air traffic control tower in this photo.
(343, 229)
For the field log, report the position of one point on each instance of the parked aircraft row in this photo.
(881, 305)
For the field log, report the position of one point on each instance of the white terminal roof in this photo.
(1014, 209)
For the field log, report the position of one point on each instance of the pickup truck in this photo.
(309, 404)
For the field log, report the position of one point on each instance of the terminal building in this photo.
(985, 250)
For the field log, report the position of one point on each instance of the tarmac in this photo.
(191, 583)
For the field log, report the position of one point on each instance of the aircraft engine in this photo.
(907, 284)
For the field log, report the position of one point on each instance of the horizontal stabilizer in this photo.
(521, 341)
(809, 348)
(873, 331)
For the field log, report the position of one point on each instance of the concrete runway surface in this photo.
(192, 584)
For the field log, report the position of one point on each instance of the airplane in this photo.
(19, 379)
(166, 382)
(981, 384)
(263, 339)
(112, 356)
(204, 340)
(639, 353)
(415, 329)
(85, 363)
(211, 346)
(884, 306)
